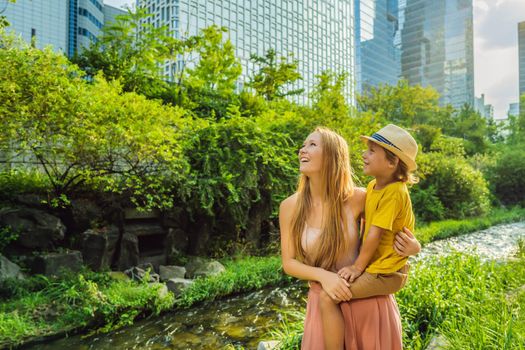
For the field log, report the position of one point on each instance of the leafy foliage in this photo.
(507, 176)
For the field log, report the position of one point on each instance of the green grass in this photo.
(242, 275)
(472, 304)
(44, 306)
(450, 228)
(50, 306)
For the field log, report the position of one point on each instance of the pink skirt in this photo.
(370, 324)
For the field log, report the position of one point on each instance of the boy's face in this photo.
(375, 161)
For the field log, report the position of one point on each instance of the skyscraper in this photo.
(67, 25)
(521, 57)
(377, 57)
(437, 48)
(319, 33)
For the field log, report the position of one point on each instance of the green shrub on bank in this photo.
(56, 305)
(507, 176)
(243, 275)
(461, 190)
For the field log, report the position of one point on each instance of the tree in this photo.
(328, 96)
(129, 50)
(211, 83)
(403, 104)
(274, 75)
(78, 132)
(470, 126)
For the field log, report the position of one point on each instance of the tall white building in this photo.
(66, 25)
(319, 33)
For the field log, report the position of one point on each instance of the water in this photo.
(245, 319)
(497, 242)
(239, 320)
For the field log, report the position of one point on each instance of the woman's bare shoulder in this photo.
(289, 202)
(359, 193)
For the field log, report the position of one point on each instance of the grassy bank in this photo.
(470, 303)
(42, 306)
(450, 228)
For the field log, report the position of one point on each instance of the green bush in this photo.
(460, 188)
(236, 166)
(19, 181)
(507, 176)
(426, 204)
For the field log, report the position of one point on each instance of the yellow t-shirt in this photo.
(389, 208)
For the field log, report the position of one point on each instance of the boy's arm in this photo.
(368, 249)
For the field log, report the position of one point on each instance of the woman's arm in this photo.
(405, 244)
(335, 287)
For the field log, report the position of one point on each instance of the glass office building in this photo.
(319, 33)
(66, 25)
(45, 22)
(377, 57)
(521, 57)
(437, 48)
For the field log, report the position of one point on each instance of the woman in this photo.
(319, 235)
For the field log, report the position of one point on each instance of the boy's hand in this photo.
(350, 273)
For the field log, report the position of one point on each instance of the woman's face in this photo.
(311, 155)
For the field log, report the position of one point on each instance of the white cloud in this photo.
(496, 51)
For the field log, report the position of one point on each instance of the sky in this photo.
(495, 50)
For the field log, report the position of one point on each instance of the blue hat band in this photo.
(380, 138)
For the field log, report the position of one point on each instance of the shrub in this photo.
(460, 188)
(507, 176)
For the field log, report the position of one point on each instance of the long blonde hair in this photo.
(338, 187)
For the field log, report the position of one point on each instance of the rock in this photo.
(9, 269)
(55, 263)
(138, 274)
(36, 229)
(177, 285)
(175, 217)
(32, 200)
(169, 272)
(98, 247)
(176, 240)
(129, 251)
(200, 267)
(268, 345)
(85, 213)
(438, 342)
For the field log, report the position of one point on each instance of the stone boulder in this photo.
(138, 274)
(85, 213)
(129, 251)
(169, 272)
(177, 285)
(9, 269)
(268, 345)
(176, 241)
(36, 229)
(98, 247)
(55, 263)
(200, 267)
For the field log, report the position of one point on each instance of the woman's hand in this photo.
(405, 244)
(336, 287)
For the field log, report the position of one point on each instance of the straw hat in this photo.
(397, 141)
